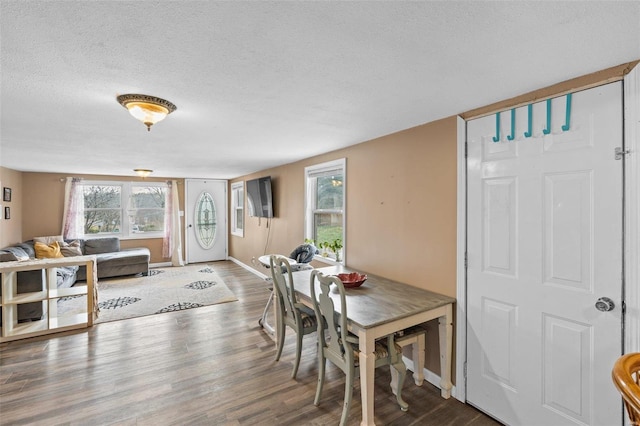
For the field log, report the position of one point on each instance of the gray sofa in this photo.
(112, 261)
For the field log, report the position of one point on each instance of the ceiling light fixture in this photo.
(147, 109)
(143, 173)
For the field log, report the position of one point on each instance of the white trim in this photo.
(126, 189)
(461, 270)
(160, 265)
(249, 268)
(238, 232)
(313, 172)
(632, 210)
(429, 376)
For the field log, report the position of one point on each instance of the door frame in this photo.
(631, 223)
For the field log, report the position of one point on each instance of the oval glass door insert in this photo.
(205, 220)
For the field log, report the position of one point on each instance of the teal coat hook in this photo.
(547, 130)
(527, 134)
(496, 138)
(567, 120)
(512, 136)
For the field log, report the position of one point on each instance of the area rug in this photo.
(164, 290)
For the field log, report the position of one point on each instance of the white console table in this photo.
(48, 296)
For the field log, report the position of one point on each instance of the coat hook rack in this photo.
(512, 136)
(496, 138)
(567, 120)
(528, 133)
(547, 130)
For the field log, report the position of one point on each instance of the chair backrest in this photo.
(337, 348)
(284, 286)
(626, 377)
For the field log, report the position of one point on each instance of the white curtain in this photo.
(172, 241)
(73, 217)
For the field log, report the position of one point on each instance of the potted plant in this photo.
(336, 248)
(324, 246)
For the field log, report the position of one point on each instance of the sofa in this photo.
(111, 260)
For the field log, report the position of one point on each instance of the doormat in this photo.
(164, 290)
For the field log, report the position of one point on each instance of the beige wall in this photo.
(44, 204)
(11, 229)
(401, 203)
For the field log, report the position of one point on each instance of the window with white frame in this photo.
(325, 207)
(237, 209)
(124, 209)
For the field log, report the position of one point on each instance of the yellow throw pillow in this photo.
(44, 251)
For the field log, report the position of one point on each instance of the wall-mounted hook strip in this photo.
(567, 120)
(496, 138)
(528, 133)
(547, 130)
(512, 136)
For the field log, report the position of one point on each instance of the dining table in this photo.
(380, 307)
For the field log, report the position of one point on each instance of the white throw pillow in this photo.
(48, 240)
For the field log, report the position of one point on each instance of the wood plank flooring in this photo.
(206, 366)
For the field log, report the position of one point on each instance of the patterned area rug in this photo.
(164, 290)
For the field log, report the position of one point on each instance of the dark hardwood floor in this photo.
(206, 366)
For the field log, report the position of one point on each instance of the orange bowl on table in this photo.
(353, 279)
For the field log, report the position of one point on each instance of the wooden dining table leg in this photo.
(367, 373)
(445, 331)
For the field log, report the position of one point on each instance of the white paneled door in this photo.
(206, 220)
(544, 275)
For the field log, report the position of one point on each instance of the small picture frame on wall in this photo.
(7, 213)
(6, 194)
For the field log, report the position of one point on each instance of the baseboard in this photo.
(160, 265)
(429, 375)
(249, 268)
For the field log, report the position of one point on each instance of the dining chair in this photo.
(289, 311)
(341, 347)
(416, 337)
(626, 377)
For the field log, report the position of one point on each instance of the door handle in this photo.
(604, 304)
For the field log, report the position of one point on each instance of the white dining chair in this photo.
(341, 347)
(289, 312)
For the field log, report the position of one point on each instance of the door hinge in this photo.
(620, 152)
(464, 369)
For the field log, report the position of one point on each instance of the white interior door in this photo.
(544, 244)
(206, 220)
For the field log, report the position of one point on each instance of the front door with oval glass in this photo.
(205, 220)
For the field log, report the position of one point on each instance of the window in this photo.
(237, 209)
(324, 211)
(125, 209)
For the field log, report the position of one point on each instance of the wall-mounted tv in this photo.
(260, 197)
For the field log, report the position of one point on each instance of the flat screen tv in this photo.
(260, 197)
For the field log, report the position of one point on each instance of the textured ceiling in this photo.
(260, 84)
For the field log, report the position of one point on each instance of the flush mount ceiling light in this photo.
(143, 172)
(147, 109)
